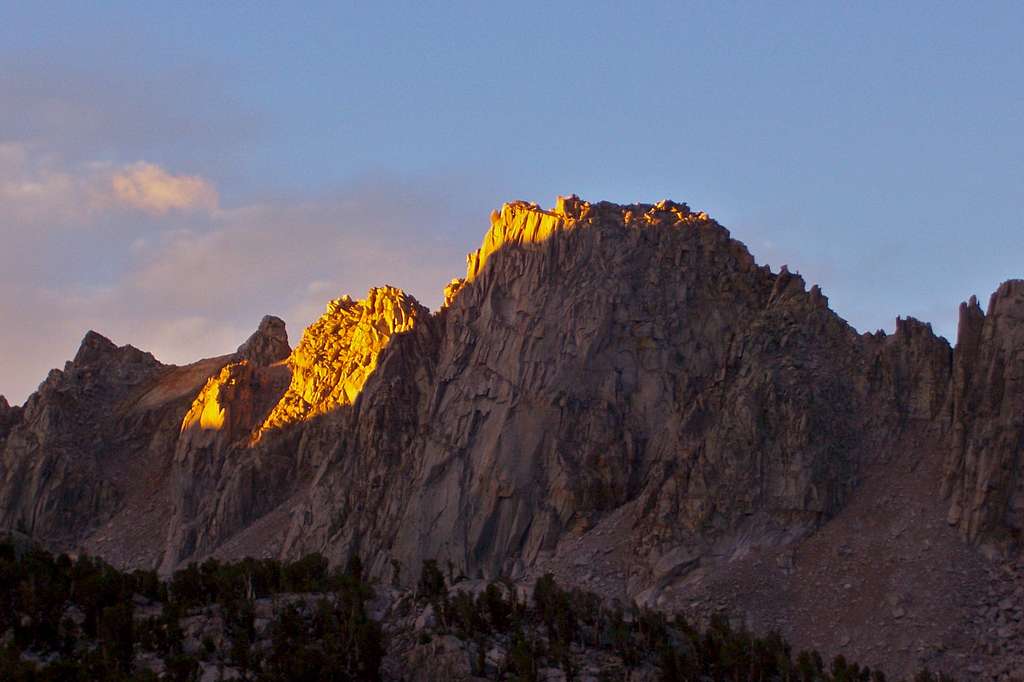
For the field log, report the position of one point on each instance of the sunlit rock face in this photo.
(451, 290)
(985, 470)
(522, 223)
(234, 402)
(339, 351)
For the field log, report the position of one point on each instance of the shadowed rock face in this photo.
(9, 416)
(985, 470)
(595, 360)
(54, 455)
(267, 345)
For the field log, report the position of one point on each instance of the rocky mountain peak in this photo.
(94, 347)
(98, 350)
(234, 401)
(268, 344)
(8, 417)
(521, 223)
(339, 351)
(968, 329)
(1008, 300)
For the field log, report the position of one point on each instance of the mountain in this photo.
(618, 395)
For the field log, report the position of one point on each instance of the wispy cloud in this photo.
(150, 188)
(40, 187)
(149, 256)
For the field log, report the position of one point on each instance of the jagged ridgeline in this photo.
(625, 378)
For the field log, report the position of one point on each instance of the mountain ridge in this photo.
(601, 372)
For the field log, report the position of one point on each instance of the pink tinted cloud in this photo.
(150, 188)
(145, 255)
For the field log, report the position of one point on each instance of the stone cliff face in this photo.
(9, 416)
(54, 455)
(596, 362)
(985, 469)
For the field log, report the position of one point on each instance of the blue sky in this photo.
(876, 149)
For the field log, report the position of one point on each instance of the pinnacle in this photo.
(268, 344)
(94, 346)
(339, 351)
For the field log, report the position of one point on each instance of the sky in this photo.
(171, 172)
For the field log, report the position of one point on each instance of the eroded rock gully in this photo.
(619, 394)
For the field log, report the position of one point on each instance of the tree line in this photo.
(69, 619)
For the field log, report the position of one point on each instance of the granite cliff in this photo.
(985, 470)
(615, 393)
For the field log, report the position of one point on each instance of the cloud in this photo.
(47, 191)
(41, 188)
(146, 255)
(150, 188)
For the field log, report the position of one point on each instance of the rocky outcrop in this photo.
(53, 458)
(9, 416)
(231, 405)
(234, 402)
(339, 351)
(281, 418)
(985, 470)
(267, 345)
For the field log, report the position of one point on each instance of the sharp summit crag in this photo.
(618, 395)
